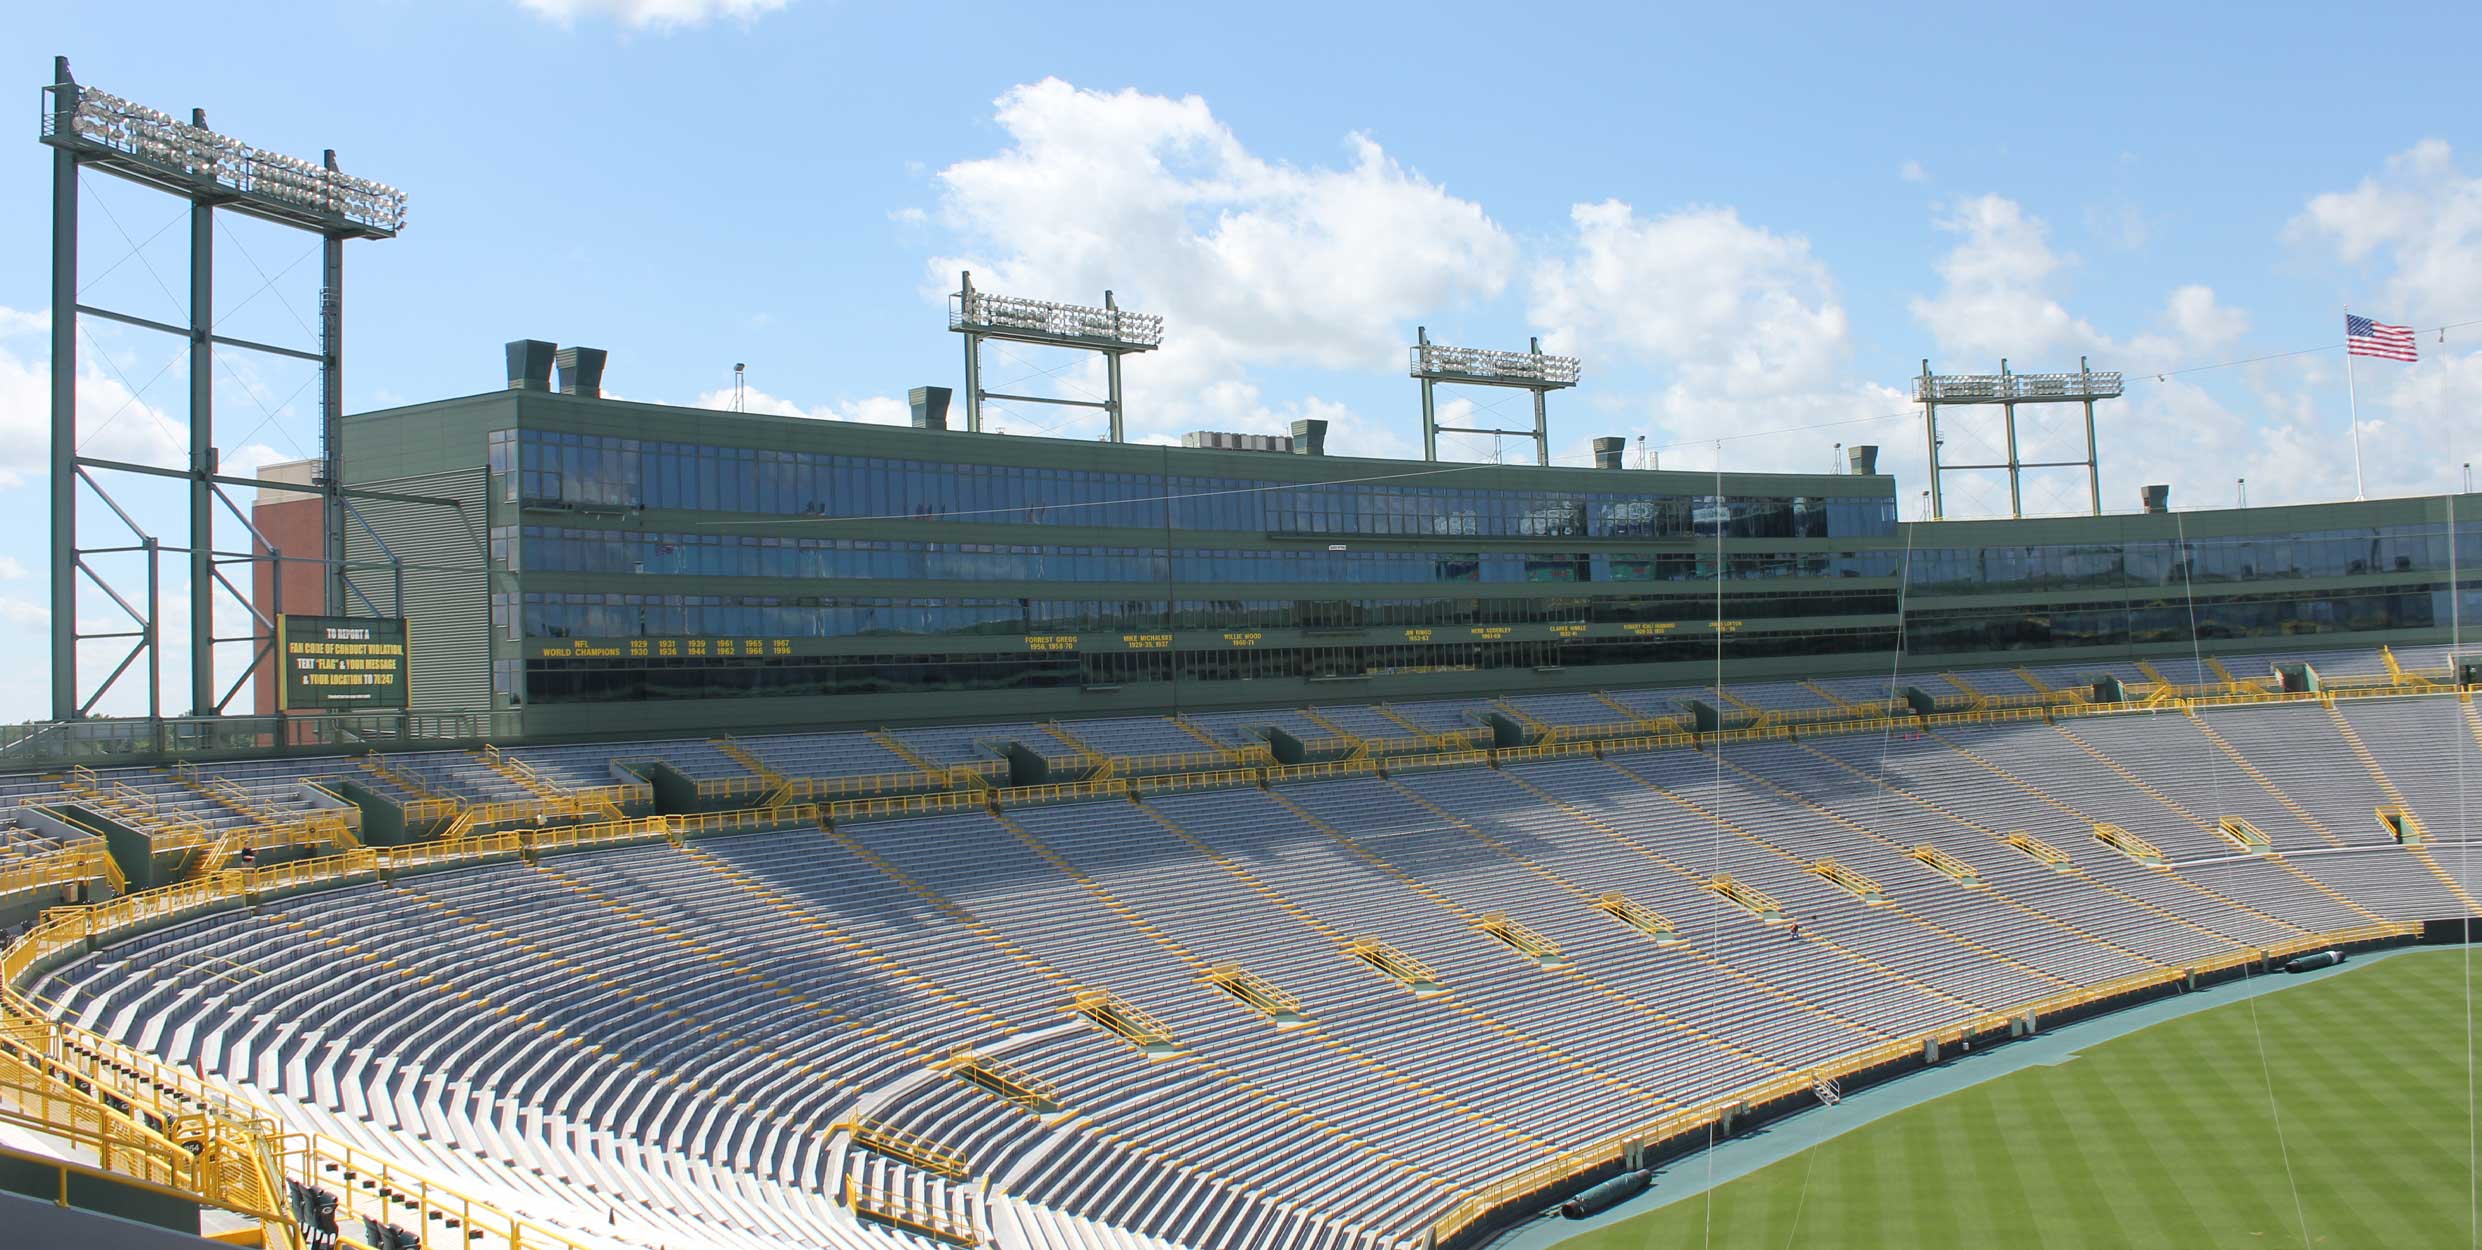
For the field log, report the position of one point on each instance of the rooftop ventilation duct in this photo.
(1611, 453)
(530, 365)
(930, 406)
(2158, 498)
(1310, 437)
(581, 371)
(1863, 459)
(1220, 440)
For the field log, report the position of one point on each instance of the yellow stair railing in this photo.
(1125, 1020)
(908, 1148)
(909, 1213)
(1747, 897)
(1259, 994)
(2402, 825)
(1947, 865)
(1002, 1080)
(2242, 834)
(1524, 941)
(520, 772)
(1850, 882)
(2041, 852)
(1397, 966)
(2129, 844)
(741, 755)
(1640, 917)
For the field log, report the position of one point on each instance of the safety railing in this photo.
(112, 742)
(734, 787)
(1547, 751)
(905, 1211)
(699, 824)
(431, 811)
(1321, 771)
(616, 795)
(1168, 783)
(1443, 759)
(1058, 792)
(912, 1148)
(373, 1187)
(901, 805)
(1182, 761)
(604, 833)
(81, 861)
(833, 788)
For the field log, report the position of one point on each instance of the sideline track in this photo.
(1688, 1176)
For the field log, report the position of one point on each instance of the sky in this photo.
(1754, 228)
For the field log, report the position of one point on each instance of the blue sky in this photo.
(1743, 222)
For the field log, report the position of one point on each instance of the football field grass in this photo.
(2166, 1137)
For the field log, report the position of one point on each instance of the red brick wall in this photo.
(293, 526)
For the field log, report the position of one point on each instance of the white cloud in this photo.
(2421, 215)
(874, 410)
(1744, 322)
(11, 569)
(651, 14)
(1253, 262)
(1912, 171)
(1994, 300)
(112, 424)
(1699, 290)
(2200, 321)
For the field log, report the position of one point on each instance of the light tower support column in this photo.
(1430, 398)
(1930, 425)
(1542, 417)
(2008, 412)
(2094, 472)
(332, 411)
(64, 460)
(202, 445)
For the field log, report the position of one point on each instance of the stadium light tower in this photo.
(1106, 331)
(1528, 370)
(91, 129)
(1936, 390)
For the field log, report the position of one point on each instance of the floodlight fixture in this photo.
(1531, 370)
(1108, 330)
(2009, 389)
(146, 145)
(1491, 367)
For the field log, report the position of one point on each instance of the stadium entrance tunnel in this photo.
(1506, 733)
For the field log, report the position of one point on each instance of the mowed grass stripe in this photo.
(2163, 1138)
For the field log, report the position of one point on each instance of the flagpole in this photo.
(2354, 402)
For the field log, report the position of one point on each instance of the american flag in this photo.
(2364, 337)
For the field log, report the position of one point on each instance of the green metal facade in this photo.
(1805, 605)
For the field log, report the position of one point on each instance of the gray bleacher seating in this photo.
(1136, 736)
(665, 1036)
